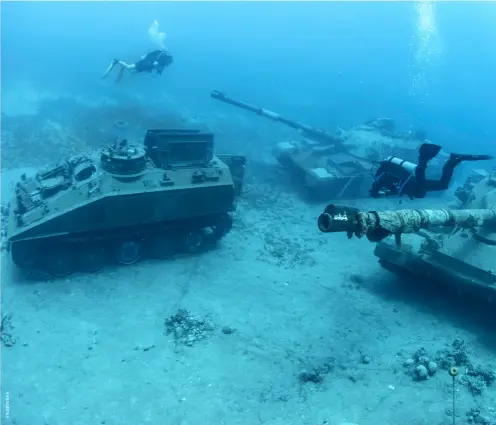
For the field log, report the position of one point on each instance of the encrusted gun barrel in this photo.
(455, 247)
(316, 133)
(328, 165)
(377, 225)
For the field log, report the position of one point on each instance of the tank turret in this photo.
(456, 246)
(332, 165)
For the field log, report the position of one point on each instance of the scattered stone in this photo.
(421, 356)
(227, 330)
(311, 376)
(364, 359)
(409, 362)
(432, 367)
(355, 376)
(6, 329)
(187, 329)
(481, 417)
(421, 373)
(423, 360)
(419, 366)
(475, 378)
(317, 374)
(455, 355)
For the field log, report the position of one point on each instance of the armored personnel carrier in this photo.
(455, 246)
(169, 195)
(331, 166)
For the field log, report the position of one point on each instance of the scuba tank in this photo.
(406, 165)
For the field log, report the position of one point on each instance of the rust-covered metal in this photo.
(454, 246)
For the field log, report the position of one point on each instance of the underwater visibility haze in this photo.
(275, 322)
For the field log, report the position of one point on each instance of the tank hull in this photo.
(324, 173)
(454, 246)
(465, 258)
(124, 207)
(321, 178)
(439, 267)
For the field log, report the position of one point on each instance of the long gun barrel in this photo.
(318, 134)
(377, 225)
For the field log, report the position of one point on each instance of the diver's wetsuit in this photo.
(421, 185)
(392, 178)
(146, 64)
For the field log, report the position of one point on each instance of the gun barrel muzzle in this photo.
(325, 223)
(337, 219)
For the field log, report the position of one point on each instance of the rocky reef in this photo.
(65, 127)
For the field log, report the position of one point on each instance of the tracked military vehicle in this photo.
(171, 194)
(456, 246)
(329, 166)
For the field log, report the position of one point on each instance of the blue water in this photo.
(351, 61)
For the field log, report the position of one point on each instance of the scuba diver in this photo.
(396, 176)
(156, 60)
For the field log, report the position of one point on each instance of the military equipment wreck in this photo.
(457, 246)
(169, 195)
(332, 166)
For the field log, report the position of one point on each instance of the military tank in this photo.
(456, 246)
(329, 166)
(168, 195)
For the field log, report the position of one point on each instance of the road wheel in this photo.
(127, 252)
(59, 260)
(192, 241)
(91, 257)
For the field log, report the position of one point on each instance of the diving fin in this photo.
(462, 157)
(110, 68)
(119, 75)
(428, 151)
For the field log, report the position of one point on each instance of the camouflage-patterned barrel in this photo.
(454, 247)
(377, 225)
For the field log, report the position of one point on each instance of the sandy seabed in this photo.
(283, 303)
(282, 299)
